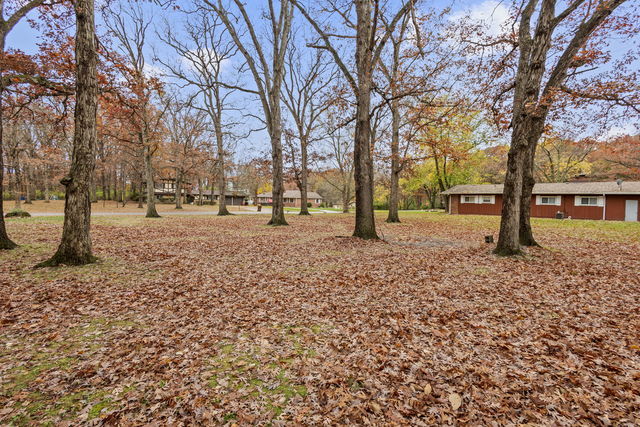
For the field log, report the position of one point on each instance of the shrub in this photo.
(17, 213)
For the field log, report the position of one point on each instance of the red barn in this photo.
(618, 201)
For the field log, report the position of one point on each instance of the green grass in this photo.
(26, 384)
(264, 376)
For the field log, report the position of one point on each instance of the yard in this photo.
(206, 319)
(109, 206)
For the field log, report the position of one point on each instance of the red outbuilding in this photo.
(615, 200)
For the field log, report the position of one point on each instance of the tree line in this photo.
(396, 83)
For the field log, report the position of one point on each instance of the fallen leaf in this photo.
(455, 400)
(428, 389)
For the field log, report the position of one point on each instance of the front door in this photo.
(631, 210)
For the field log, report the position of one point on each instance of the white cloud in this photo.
(153, 70)
(626, 129)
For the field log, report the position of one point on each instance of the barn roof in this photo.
(577, 188)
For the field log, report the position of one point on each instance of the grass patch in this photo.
(264, 375)
(27, 383)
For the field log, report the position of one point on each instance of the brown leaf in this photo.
(455, 400)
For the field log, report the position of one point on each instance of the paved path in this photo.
(47, 214)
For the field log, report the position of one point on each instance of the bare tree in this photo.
(370, 39)
(187, 128)
(75, 247)
(129, 27)
(340, 145)
(267, 75)
(393, 74)
(303, 96)
(206, 50)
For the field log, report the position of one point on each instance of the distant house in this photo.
(579, 200)
(292, 198)
(232, 197)
(165, 190)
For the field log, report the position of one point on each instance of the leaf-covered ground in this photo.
(113, 207)
(227, 321)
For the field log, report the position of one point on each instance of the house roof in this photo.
(217, 192)
(293, 194)
(577, 188)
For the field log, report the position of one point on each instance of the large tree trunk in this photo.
(509, 237)
(178, 195)
(365, 227)
(5, 241)
(395, 164)
(221, 181)
(151, 196)
(200, 191)
(304, 209)
(528, 182)
(277, 195)
(75, 247)
(345, 198)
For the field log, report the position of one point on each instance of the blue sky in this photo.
(492, 12)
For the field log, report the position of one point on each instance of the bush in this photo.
(309, 204)
(17, 213)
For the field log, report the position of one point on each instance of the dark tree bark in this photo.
(394, 193)
(178, 193)
(151, 196)
(277, 192)
(304, 174)
(75, 247)
(220, 163)
(346, 197)
(528, 181)
(365, 227)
